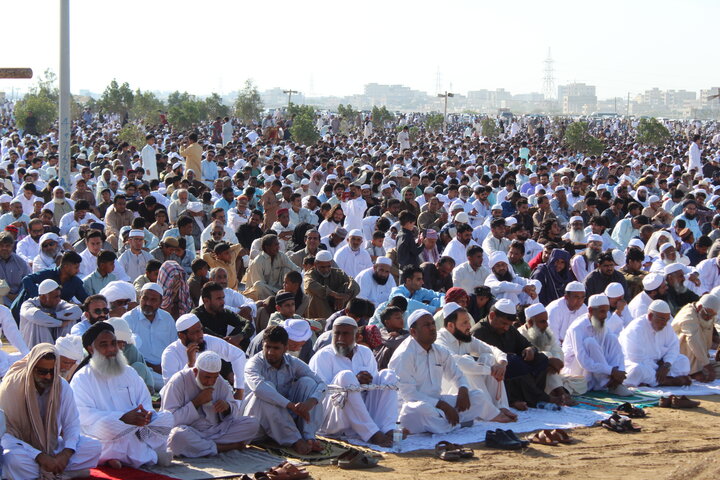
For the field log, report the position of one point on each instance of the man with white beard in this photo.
(566, 309)
(505, 284)
(585, 262)
(576, 232)
(112, 399)
(352, 258)
(483, 365)
(678, 294)
(208, 420)
(536, 330)
(376, 282)
(50, 248)
(652, 350)
(591, 351)
(370, 415)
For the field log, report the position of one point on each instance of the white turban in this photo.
(298, 329)
(70, 346)
(497, 257)
(122, 330)
(118, 290)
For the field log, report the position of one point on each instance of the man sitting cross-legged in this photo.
(208, 420)
(370, 415)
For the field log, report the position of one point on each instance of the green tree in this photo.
(216, 107)
(434, 121)
(303, 129)
(652, 132)
(381, 115)
(347, 112)
(578, 138)
(184, 110)
(249, 105)
(42, 100)
(117, 98)
(146, 107)
(132, 134)
(488, 128)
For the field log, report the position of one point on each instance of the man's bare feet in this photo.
(522, 406)
(509, 413)
(302, 447)
(114, 464)
(315, 445)
(502, 418)
(381, 439)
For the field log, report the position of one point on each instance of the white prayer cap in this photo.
(356, 232)
(58, 188)
(449, 308)
(711, 302)
(384, 186)
(383, 261)
(48, 236)
(533, 175)
(560, 189)
(497, 206)
(429, 190)
(5, 198)
(122, 329)
(594, 237)
(136, 233)
(415, 316)
(673, 267)
(209, 361)
(659, 306)
(70, 346)
(152, 286)
(506, 306)
(186, 321)
(652, 281)
(618, 257)
(534, 309)
(577, 218)
(510, 221)
(345, 320)
(461, 217)
(364, 186)
(47, 286)
(497, 257)
(176, 165)
(665, 246)
(304, 181)
(636, 242)
(119, 290)
(332, 176)
(195, 207)
(614, 290)
(575, 286)
(598, 300)
(457, 205)
(323, 256)
(298, 329)
(653, 199)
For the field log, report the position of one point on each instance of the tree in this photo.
(652, 132)
(117, 98)
(249, 105)
(303, 129)
(146, 107)
(133, 135)
(42, 100)
(488, 128)
(434, 121)
(347, 112)
(184, 110)
(380, 116)
(216, 107)
(578, 138)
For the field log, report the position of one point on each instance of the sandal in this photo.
(612, 423)
(447, 451)
(673, 401)
(630, 411)
(356, 460)
(287, 471)
(543, 438)
(561, 436)
(464, 451)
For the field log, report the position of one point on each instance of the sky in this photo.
(334, 48)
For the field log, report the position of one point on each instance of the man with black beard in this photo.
(678, 295)
(483, 365)
(191, 342)
(329, 288)
(376, 282)
(585, 262)
(29, 247)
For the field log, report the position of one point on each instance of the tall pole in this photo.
(628, 106)
(445, 96)
(290, 94)
(65, 122)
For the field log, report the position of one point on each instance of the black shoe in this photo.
(514, 437)
(501, 441)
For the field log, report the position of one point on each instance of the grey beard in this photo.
(538, 338)
(679, 288)
(201, 386)
(108, 366)
(343, 350)
(577, 236)
(598, 325)
(592, 255)
(324, 275)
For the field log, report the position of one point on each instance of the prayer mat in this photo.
(225, 465)
(125, 473)
(605, 401)
(331, 450)
(695, 389)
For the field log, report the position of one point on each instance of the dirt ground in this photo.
(673, 445)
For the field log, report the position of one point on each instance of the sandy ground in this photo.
(673, 445)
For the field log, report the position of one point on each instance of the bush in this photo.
(303, 129)
(133, 135)
(488, 128)
(652, 132)
(43, 108)
(578, 138)
(434, 121)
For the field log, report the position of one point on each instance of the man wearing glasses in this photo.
(95, 309)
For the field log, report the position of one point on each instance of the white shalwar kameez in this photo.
(475, 359)
(356, 413)
(9, 329)
(354, 211)
(149, 162)
(513, 290)
(101, 401)
(591, 354)
(638, 306)
(174, 358)
(352, 262)
(643, 347)
(373, 291)
(420, 379)
(198, 430)
(560, 317)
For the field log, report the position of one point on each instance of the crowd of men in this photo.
(221, 286)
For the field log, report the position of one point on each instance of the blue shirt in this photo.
(72, 288)
(224, 204)
(209, 171)
(154, 336)
(420, 299)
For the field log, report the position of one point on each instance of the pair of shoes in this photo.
(618, 423)
(450, 451)
(673, 401)
(551, 437)
(355, 460)
(504, 440)
(630, 411)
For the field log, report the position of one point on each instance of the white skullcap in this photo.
(332, 176)
(673, 267)
(383, 261)
(415, 316)
(618, 257)
(449, 308)
(457, 204)
(186, 321)
(5, 198)
(665, 246)
(58, 188)
(497, 206)
(70, 346)
(598, 300)
(119, 290)
(122, 329)
(652, 281)
(209, 361)
(576, 218)
(614, 290)
(136, 233)
(323, 256)
(47, 286)
(506, 306)
(345, 320)
(429, 190)
(304, 181)
(497, 257)
(510, 221)
(594, 237)
(560, 189)
(461, 217)
(575, 286)
(152, 286)
(356, 232)
(636, 242)
(659, 306)
(195, 207)
(298, 329)
(653, 199)
(364, 186)
(534, 309)
(710, 302)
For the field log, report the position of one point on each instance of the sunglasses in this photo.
(99, 311)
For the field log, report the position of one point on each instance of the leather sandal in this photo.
(630, 411)
(561, 436)
(673, 401)
(543, 438)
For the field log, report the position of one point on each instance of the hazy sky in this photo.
(335, 47)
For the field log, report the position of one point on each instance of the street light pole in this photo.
(64, 121)
(290, 94)
(445, 95)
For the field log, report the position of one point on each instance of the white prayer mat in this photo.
(528, 421)
(697, 388)
(233, 463)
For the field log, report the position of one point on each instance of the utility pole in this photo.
(290, 94)
(445, 95)
(65, 122)
(628, 105)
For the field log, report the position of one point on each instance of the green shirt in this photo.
(522, 269)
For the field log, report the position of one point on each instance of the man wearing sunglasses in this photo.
(95, 309)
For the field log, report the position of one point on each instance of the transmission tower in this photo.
(549, 78)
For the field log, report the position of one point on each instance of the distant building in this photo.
(577, 99)
(275, 98)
